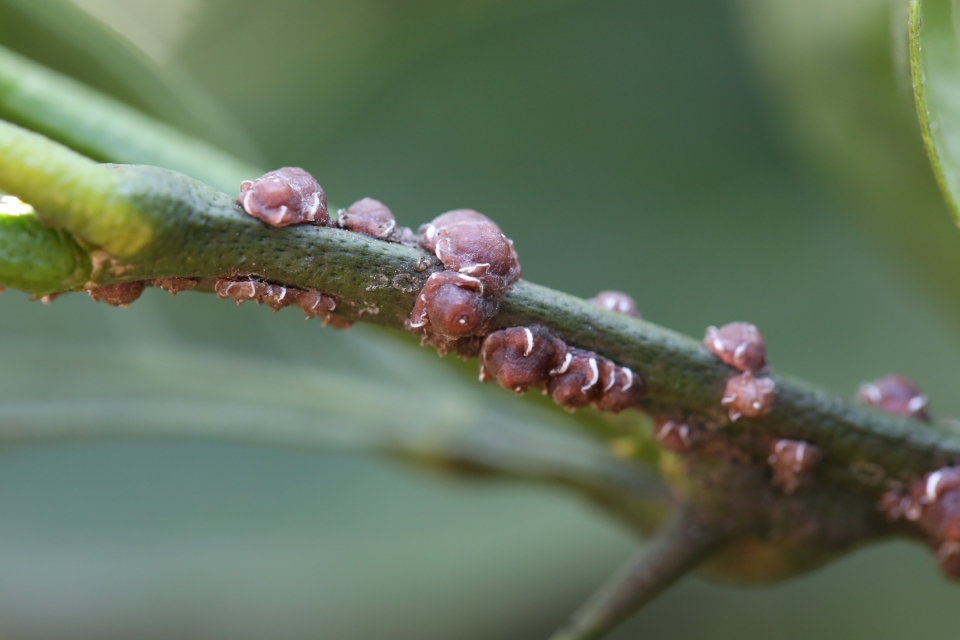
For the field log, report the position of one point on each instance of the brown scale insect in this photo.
(748, 396)
(472, 244)
(575, 382)
(277, 296)
(895, 394)
(284, 197)
(674, 435)
(933, 502)
(792, 462)
(453, 305)
(619, 387)
(368, 216)
(175, 285)
(738, 344)
(118, 295)
(616, 301)
(520, 358)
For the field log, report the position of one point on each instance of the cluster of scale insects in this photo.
(456, 307)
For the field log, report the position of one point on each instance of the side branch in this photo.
(143, 223)
(678, 548)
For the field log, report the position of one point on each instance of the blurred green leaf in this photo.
(935, 68)
(59, 35)
(838, 74)
(409, 407)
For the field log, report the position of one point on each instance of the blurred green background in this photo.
(752, 159)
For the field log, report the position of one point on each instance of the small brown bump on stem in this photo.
(619, 387)
(284, 197)
(674, 435)
(520, 357)
(118, 295)
(175, 285)
(738, 344)
(748, 396)
(317, 305)
(369, 216)
(470, 243)
(616, 301)
(895, 394)
(579, 382)
(933, 503)
(453, 306)
(792, 462)
(238, 290)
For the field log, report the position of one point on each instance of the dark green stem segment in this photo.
(144, 222)
(678, 548)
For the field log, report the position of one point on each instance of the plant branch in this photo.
(145, 222)
(678, 548)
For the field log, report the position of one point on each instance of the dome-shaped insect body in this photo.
(619, 387)
(453, 305)
(520, 357)
(933, 503)
(118, 295)
(792, 462)
(896, 394)
(175, 285)
(368, 216)
(616, 301)
(674, 435)
(739, 344)
(748, 396)
(470, 243)
(575, 382)
(284, 197)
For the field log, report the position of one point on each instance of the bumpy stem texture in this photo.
(144, 222)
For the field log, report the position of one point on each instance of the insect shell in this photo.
(452, 304)
(738, 344)
(934, 504)
(470, 243)
(118, 295)
(792, 462)
(284, 197)
(616, 301)
(748, 396)
(277, 296)
(175, 285)
(674, 435)
(520, 357)
(895, 394)
(368, 216)
(619, 387)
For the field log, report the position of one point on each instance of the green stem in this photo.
(678, 548)
(105, 129)
(157, 223)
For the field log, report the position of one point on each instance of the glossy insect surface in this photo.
(520, 357)
(748, 396)
(284, 197)
(175, 285)
(791, 462)
(118, 295)
(453, 305)
(472, 244)
(616, 301)
(739, 344)
(933, 503)
(896, 394)
(674, 435)
(368, 216)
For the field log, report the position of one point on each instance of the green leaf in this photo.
(60, 36)
(935, 67)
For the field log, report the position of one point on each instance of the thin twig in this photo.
(677, 549)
